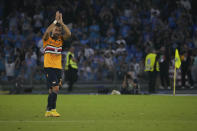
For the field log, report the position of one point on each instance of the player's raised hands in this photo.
(60, 18)
(57, 16)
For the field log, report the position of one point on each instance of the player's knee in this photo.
(55, 89)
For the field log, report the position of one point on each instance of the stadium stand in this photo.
(110, 36)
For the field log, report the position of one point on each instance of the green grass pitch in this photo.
(99, 113)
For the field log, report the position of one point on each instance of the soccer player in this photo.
(53, 39)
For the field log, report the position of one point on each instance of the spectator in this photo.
(38, 20)
(118, 27)
(135, 67)
(194, 69)
(88, 52)
(84, 40)
(130, 84)
(2, 65)
(164, 68)
(186, 4)
(121, 49)
(186, 63)
(10, 68)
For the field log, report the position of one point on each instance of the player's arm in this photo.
(47, 32)
(67, 33)
(50, 28)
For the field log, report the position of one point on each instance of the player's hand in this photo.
(60, 20)
(60, 84)
(57, 16)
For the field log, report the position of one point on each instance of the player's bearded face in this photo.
(56, 32)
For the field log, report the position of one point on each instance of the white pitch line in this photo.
(71, 121)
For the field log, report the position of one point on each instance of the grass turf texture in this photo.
(99, 113)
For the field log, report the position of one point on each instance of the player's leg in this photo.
(55, 89)
(54, 93)
(49, 105)
(57, 86)
(48, 79)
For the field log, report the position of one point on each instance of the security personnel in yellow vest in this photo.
(152, 67)
(71, 68)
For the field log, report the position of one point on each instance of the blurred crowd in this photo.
(111, 36)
